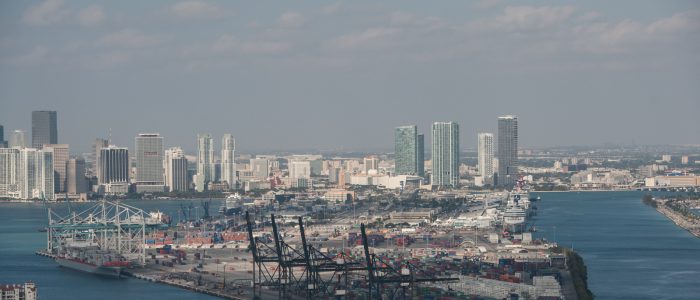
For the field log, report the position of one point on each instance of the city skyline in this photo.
(591, 67)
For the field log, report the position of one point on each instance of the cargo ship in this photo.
(91, 259)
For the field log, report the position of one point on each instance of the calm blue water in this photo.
(631, 251)
(19, 239)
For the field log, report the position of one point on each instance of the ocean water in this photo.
(631, 250)
(19, 238)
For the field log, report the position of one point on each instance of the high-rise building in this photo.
(61, 154)
(371, 163)
(18, 139)
(406, 150)
(3, 143)
(36, 177)
(445, 151)
(76, 182)
(260, 168)
(176, 178)
(299, 169)
(9, 173)
(228, 160)
(114, 165)
(149, 163)
(420, 155)
(96, 149)
(205, 158)
(44, 128)
(507, 150)
(485, 152)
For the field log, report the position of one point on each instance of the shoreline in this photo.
(678, 219)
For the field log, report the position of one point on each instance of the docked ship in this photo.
(518, 208)
(91, 259)
(232, 205)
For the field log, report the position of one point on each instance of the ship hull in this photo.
(88, 268)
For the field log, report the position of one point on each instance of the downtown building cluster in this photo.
(45, 169)
(495, 167)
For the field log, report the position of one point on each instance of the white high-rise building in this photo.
(149, 163)
(228, 160)
(176, 170)
(36, 174)
(485, 156)
(9, 173)
(18, 139)
(299, 169)
(205, 158)
(445, 151)
(260, 168)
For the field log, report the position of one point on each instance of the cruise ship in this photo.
(518, 208)
(232, 205)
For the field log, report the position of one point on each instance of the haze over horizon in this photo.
(342, 75)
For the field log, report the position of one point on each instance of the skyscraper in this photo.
(260, 168)
(406, 150)
(371, 163)
(176, 170)
(44, 128)
(3, 143)
(61, 154)
(76, 182)
(228, 160)
(18, 139)
(485, 149)
(445, 153)
(97, 148)
(205, 158)
(149, 163)
(507, 150)
(420, 155)
(36, 177)
(114, 165)
(9, 173)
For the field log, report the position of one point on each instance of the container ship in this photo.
(91, 259)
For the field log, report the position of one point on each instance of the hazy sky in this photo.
(340, 75)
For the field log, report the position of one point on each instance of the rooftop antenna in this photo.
(110, 136)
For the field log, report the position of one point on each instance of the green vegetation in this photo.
(649, 200)
(579, 274)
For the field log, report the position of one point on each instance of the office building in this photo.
(507, 150)
(3, 142)
(299, 169)
(76, 183)
(44, 128)
(36, 175)
(176, 178)
(27, 291)
(445, 151)
(96, 149)
(420, 155)
(260, 168)
(18, 139)
(149, 163)
(407, 159)
(205, 158)
(114, 165)
(371, 164)
(485, 152)
(61, 154)
(228, 160)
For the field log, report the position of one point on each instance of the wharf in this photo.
(181, 285)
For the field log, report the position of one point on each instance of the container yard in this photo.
(389, 253)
